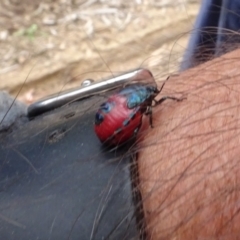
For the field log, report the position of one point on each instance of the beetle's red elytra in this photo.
(120, 117)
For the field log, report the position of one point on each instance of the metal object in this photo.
(87, 82)
(60, 99)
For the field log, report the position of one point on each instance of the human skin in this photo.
(189, 162)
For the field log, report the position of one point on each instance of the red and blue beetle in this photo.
(120, 117)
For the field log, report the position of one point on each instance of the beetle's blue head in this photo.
(134, 99)
(140, 94)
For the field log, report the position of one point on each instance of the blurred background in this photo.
(52, 45)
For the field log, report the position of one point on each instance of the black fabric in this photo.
(58, 182)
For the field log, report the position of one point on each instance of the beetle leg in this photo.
(155, 101)
(149, 112)
(150, 117)
(167, 97)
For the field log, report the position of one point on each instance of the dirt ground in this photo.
(53, 45)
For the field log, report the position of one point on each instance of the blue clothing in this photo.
(214, 32)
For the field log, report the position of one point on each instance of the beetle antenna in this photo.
(164, 84)
(174, 75)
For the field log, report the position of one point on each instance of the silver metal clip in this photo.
(87, 90)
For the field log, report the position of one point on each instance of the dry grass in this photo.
(50, 35)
